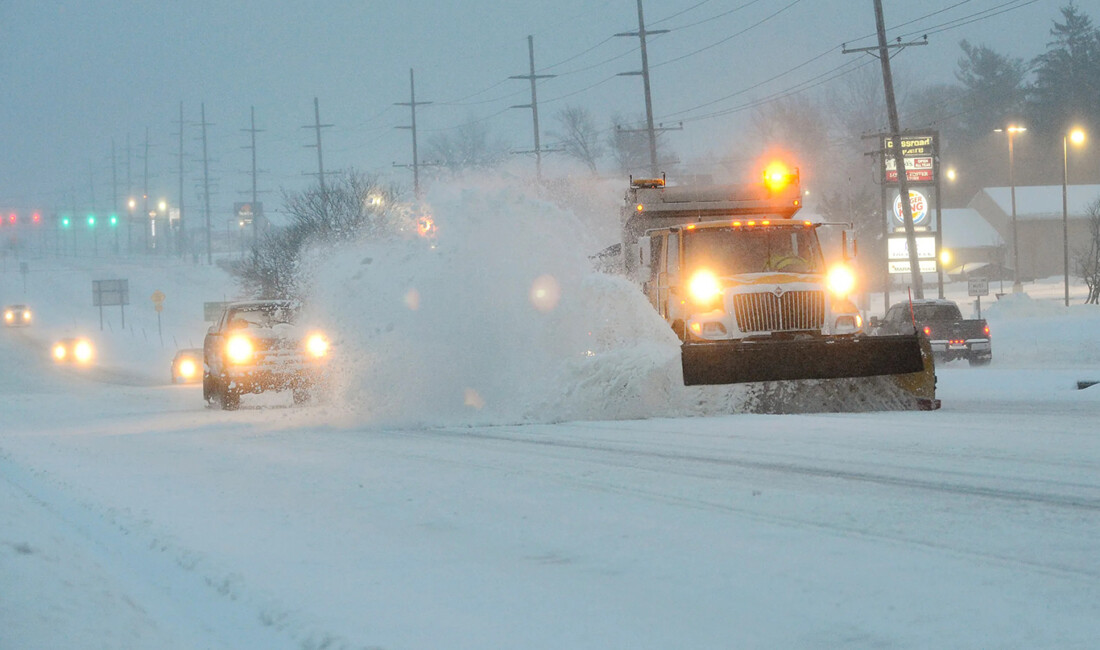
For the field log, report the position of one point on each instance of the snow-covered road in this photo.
(133, 517)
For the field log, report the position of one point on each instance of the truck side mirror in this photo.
(645, 253)
(849, 246)
(875, 321)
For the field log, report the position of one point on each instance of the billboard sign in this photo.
(920, 206)
(106, 293)
(919, 154)
(902, 266)
(898, 248)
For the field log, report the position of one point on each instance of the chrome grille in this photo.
(793, 311)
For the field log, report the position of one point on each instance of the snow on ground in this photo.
(508, 461)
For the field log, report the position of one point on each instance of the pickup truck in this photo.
(952, 337)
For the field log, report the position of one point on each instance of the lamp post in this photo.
(1012, 130)
(132, 203)
(162, 210)
(1077, 137)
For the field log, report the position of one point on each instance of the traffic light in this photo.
(65, 222)
(114, 220)
(12, 218)
(36, 218)
(91, 221)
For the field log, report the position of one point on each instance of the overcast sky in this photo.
(78, 74)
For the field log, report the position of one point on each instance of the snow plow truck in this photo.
(744, 285)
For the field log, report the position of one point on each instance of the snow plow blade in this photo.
(736, 362)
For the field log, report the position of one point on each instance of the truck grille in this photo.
(791, 312)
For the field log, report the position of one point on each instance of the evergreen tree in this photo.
(993, 91)
(1067, 76)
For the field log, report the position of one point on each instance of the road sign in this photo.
(111, 292)
(977, 287)
(157, 298)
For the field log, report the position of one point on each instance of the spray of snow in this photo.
(499, 319)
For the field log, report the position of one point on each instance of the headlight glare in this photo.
(704, 287)
(187, 368)
(239, 349)
(82, 351)
(841, 280)
(317, 345)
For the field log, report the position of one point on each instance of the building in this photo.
(1038, 224)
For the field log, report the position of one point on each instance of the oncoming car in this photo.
(260, 346)
(17, 316)
(73, 351)
(187, 366)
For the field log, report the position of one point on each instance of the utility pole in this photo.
(114, 190)
(182, 240)
(641, 34)
(882, 51)
(145, 192)
(129, 197)
(206, 184)
(317, 126)
(412, 104)
(534, 105)
(252, 130)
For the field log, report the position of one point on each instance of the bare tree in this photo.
(351, 207)
(1087, 260)
(469, 146)
(579, 136)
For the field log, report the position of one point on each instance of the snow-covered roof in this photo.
(1044, 201)
(965, 228)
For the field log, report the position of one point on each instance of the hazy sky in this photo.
(78, 74)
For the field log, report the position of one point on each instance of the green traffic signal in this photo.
(91, 221)
(65, 222)
(114, 219)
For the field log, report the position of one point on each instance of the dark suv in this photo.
(259, 346)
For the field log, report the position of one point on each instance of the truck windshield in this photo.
(730, 251)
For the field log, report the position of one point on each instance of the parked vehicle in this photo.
(952, 336)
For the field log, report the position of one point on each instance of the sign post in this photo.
(158, 305)
(978, 287)
(111, 292)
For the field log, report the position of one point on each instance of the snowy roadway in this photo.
(133, 517)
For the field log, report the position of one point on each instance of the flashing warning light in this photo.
(986, 330)
(640, 207)
(927, 331)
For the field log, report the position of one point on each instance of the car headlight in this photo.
(82, 351)
(239, 349)
(317, 345)
(59, 352)
(9, 316)
(841, 280)
(26, 315)
(704, 287)
(188, 368)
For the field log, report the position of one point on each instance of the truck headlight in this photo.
(317, 345)
(239, 349)
(704, 287)
(841, 280)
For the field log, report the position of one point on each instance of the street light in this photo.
(132, 204)
(162, 208)
(1077, 137)
(1012, 130)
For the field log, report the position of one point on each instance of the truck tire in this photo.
(230, 399)
(977, 362)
